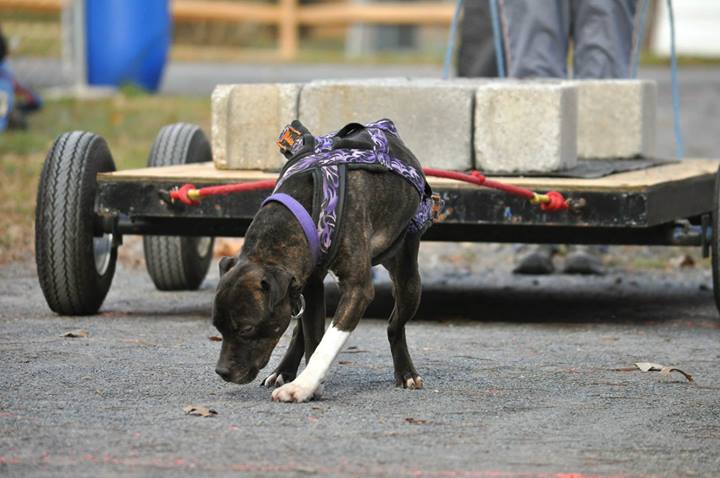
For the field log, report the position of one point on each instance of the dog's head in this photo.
(253, 307)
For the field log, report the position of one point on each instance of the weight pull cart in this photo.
(85, 207)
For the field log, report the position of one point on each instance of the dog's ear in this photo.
(226, 264)
(278, 283)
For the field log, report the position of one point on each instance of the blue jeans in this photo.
(539, 32)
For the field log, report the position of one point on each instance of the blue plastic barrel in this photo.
(127, 41)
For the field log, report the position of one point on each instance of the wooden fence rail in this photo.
(287, 15)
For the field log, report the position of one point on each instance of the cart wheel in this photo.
(176, 262)
(75, 267)
(715, 241)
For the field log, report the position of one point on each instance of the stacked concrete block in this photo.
(525, 127)
(433, 118)
(246, 120)
(498, 126)
(616, 118)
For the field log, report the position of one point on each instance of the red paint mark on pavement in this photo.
(178, 463)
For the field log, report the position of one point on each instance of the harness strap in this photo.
(303, 218)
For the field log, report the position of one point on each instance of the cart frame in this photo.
(655, 206)
(85, 208)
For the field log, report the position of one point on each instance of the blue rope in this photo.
(679, 146)
(639, 34)
(497, 36)
(451, 40)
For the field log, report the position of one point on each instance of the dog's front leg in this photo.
(287, 369)
(354, 300)
(306, 336)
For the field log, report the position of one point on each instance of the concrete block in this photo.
(525, 127)
(433, 118)
(616, 118)
(246, 120)
(218, 124)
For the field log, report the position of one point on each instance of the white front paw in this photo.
(293, 392)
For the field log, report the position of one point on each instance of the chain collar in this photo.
(300, 307)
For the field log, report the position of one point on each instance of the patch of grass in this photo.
(307, 54)
(649, 59)
(128, 121)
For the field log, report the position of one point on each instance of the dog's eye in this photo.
(265, 285)
(246, 330)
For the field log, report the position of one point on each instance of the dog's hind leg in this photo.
(357, 291)
(403, 268)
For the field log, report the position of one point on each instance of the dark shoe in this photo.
(538, 261)
(584, 261)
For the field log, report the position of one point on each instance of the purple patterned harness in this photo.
(329, 166)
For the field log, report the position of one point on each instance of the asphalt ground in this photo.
(529, 377)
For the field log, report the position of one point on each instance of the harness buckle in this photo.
(437, 205)
(288, 137)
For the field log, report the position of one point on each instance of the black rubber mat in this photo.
(596, 168)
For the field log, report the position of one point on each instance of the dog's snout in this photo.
(223, 372)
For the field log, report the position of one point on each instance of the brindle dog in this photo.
(260, 288)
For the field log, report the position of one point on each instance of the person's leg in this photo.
(476, 54)
(603, 37)
(536, 34)
(536, 43)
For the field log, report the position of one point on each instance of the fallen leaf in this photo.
(115, 313)
(74, 334)
(416, 421)
(680, 262)
(214, 338)
(663, 369)
(116, 118)
(199, 411)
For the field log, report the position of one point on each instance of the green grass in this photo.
(128, 121)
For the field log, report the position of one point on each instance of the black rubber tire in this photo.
(64, 225)
(175, 262)
(715, 241)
